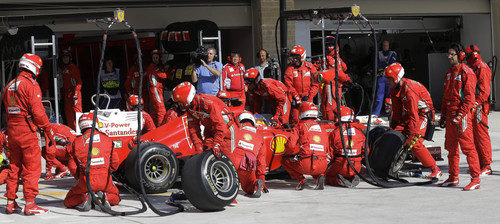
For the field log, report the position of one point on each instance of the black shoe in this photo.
(320, 183)
(103, 198)
(86, 205)
(258, 191)
(345, 183)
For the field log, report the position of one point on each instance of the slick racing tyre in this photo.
(159, 167)
(388, 154)
(375, 133)
(210, 183)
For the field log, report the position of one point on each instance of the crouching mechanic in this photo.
(147, 121)
(340, 173)
(55, 152)
(273, 90)
(411, 104)
(249, 157)
(4, 167)
(209, 111)
(306, 151)
(104, 160)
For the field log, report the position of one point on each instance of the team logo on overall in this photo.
(12, 100)
(95, 151)
(316, 139)
(247, 137)
(278, 144)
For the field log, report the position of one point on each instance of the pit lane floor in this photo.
(364, 204)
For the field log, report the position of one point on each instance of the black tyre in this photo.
(375, 133)
(159, 167)
(210, 183)
(388, 154)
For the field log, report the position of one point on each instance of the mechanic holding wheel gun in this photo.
(339, 173)
(481, 108)
(273, 90)
(298, 81)
(25, 114)
(104, 160)
(249, 156)
(209, 111)
(306, 151)
(458, 100)
(411, 112)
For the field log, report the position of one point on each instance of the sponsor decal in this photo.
(97, 161)
(317, 139)
(13, 87)
(350, 131)
(458, 78)
(14, 110)
(316, 147)
(12, 100)
(315, 128)
(117, 144)
(252, 129)
(278, 143)
(350, 152)
(95, 151)
(97, 138)
(247, 137)
(245, 145)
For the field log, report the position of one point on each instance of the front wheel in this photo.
(210, 183)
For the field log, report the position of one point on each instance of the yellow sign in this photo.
(95, 151)
(278, 144)
(119, 15)
(100, 125)
(178, 74)
(355, 10)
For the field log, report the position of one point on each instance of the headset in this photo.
(460, 51)
(475, 52)
(258, 54)
(234, 53)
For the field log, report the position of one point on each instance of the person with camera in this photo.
(411, 111)
(298, 81)
(232, 75)
(267, 66)
(207, 73)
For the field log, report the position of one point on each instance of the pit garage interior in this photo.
(418, 31)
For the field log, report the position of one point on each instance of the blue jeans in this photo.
(380, 95)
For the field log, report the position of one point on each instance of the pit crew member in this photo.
(71, 89)
(458, 100)
(24, 114)
(298, 81)
(412, 109)
(306, 151)
(481, 107)
(104, 160)
(209, 111)
(273, 90)
(147, 121)
(339, 173)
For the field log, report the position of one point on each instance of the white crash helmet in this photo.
(246, 116)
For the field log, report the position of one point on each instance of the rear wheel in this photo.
(210, 183)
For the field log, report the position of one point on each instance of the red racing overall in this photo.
(410, 103)
(354, 140)
(72, 95)
(24, 112)
(482, 139)
(299, 84)
(249, 157)
(458, 99)
(103, 161)
(156, 78)
(277, 93)
(306, 151)
(233, 80)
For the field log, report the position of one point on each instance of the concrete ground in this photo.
(364, 204)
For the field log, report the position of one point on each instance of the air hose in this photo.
(376, 181)
(142, 197)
